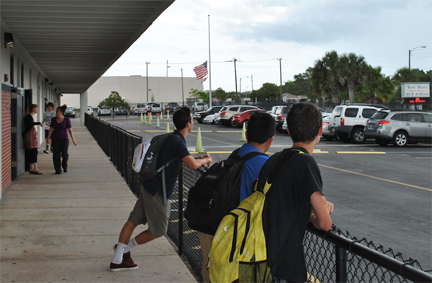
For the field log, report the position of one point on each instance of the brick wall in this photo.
(6, 137)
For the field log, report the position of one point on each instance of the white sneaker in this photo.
(46, 151)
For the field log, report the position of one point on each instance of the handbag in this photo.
(31, 139)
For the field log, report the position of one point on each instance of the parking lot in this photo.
(381, 193)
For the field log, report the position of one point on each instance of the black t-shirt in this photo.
(173, 147)
(292, 188)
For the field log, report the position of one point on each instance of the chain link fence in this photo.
(332, 256)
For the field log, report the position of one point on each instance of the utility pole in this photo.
(147, 86)
(235, 74)
(280, 76)
(252, 82)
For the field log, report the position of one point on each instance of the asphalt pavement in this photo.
(61, 228)
(383, 194)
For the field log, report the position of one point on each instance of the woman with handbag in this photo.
(31, 141)
(60, 126)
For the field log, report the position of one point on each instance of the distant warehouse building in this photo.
(133, 89)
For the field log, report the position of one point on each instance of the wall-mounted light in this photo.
(9, 41)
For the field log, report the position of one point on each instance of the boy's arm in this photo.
(321, 211)
(197, 163)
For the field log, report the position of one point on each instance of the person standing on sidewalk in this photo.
(60, 126)
(31, 140)
(48, 115)
(150, 207)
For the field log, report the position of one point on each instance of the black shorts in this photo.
(46, 134)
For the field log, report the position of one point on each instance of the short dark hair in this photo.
(261, 127)
(50, 104)
(304, 121)
(181, 117)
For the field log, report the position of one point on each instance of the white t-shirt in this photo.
(48, 115)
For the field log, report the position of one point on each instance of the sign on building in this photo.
(415, 93)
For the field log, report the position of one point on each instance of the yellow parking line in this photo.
(134, 131)
(155, 131)
(360, 152)
(228, 131)
(377, 178)
(320, 152)
(202, 131)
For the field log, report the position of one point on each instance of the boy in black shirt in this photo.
(296, 191)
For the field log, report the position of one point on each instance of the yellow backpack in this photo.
(239, 248)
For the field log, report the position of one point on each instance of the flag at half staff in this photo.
(201, 71)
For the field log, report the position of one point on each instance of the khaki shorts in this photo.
(152, 210)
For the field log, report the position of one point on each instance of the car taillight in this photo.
(223, 113)
(326, 123)
(236, 115)
(281, 117)
(342, 121)
(384, 122)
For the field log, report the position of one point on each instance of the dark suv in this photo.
(199, 116)
(172, 106)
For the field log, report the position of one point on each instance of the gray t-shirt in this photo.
(48, 115)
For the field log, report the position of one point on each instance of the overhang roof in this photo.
(74, 42)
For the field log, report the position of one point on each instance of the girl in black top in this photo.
(31, 139)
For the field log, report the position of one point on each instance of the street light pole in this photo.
(240, 86)
(181, 70)
(147, 86)
(409, 56)
(280, 76)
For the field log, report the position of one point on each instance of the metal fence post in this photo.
(341, 265)
(180, 202)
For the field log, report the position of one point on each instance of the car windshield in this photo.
(156, 105)
(337, 111)
(379, 115)
(140, 105)
(70, 109)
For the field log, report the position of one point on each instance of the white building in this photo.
(133, 89)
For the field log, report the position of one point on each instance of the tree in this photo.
(332, 63)
(199, 94)
(220, 94)
(378, 87)
(319, 83)
(268, 91)
(404, 75)
(352, 71)
(114, 100)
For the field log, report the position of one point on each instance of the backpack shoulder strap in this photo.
(250, 155)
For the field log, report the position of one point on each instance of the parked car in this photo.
(89, 110)
(121, 111)
(172, 107)
(217, 115)
(226, 115)
(104, 110)
(237, 120)
(199, 106)
(138, 109)
(285, 127)
(348, 121)
(154, 108)
(399, 127)
(280, 113)
(210, 119)
(327, 134)
(199, 116)
(70, 112)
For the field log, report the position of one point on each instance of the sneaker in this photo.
(46, 151)
(123, 266)
(126, 256)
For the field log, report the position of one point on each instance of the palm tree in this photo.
(331, 62)
(320, 79)
(353, 71)
(379, 88)
(405, 75)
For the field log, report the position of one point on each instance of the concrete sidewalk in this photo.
(61, 228)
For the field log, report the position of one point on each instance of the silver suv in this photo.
(348, 121)
(226, 114)
(399, 127)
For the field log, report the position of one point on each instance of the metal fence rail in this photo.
(331, 256)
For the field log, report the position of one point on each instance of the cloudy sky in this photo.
(256, 33)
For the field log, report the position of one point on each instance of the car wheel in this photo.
(358, 135)
(232, 124)
(329, 138)
(400, 139)
(381, 142)
(200, 120)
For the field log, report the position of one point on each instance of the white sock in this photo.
(132, 244)
(118, 257)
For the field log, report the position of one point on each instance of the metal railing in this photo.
(331, 256)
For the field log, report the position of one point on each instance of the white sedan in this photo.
(209, 119)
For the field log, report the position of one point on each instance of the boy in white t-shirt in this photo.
(48, 115)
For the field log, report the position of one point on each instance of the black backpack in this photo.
(216, 193)
(148, 169)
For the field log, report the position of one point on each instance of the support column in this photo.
(83, 105)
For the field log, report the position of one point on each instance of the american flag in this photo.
(201, 71)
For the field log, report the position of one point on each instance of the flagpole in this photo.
(210, 89)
